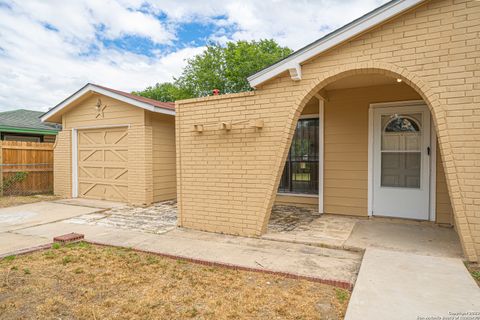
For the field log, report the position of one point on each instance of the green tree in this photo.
(166, 92)
(219, 67)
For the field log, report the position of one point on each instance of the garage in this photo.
(114, 146)
(103, 164)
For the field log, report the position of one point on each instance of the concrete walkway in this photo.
(324, 263)
(398, 285)
(410, 270)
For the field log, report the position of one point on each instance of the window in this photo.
(401, 154)
(301, 168)
(14, 137)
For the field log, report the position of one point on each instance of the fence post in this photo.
(1, 169)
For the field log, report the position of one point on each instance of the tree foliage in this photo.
(219, 67)
(165, 92)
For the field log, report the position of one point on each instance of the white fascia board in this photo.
(108, 93)
(348, 31)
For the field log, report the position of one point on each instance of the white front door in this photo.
(401, 164)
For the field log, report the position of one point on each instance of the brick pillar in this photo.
(62, 164)
(140, 165)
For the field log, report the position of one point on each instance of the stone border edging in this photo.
(336, 283)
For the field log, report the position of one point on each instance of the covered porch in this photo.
(306, 226)
(364, 169)
(366, 146)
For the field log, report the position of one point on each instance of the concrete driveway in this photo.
(15, 219)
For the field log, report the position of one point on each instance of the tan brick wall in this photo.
(62, 164)
(227, 181)
(140, 164)
(444, 211)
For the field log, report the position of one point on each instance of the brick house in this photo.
(379, 118)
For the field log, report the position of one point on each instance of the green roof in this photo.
(27, 121)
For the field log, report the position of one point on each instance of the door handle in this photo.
(428, 150)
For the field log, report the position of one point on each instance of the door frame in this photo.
(433, 153)
(75, 151)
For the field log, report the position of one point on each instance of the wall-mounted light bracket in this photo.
(226, 126)
(198, 127)
(257, 123)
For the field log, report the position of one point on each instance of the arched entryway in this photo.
(357, 105)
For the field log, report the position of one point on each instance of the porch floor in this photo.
(305, 225)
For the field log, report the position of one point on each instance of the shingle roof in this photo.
(28, 119)
(156, 103)
(141, 102)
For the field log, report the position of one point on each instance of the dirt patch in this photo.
(474, 269)
(87, 281)
(10, 201)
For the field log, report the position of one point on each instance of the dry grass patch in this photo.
(474, 269)
(83, 281)
(10, 201)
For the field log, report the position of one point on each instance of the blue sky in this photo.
(50, 48)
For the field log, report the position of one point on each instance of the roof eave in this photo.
(93, 88)
(356, 27)
(28, 130)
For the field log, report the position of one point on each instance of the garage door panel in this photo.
(90, 172)
(116, 155)
(90, 155)
(89, 138)
(119, 174)
(118, 193)
(103, 164)
(116, 137)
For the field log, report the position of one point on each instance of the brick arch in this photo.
(438, 115)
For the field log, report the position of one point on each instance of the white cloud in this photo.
(39, 67)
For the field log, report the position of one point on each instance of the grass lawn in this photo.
(83, 281)
(474, 269)
(10, 201)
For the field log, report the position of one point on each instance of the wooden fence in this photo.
(26, 167)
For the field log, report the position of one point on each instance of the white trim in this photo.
(295, 72)
(433, 137)
(74, 163)
(346, 32)
(103, 126)
(93, 88)
(310, 116)
(433, 171)
(304, 195)
(321, 122)
(370, 160)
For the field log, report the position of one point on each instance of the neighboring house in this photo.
(25, 125)
(378, 118)
(114, 146)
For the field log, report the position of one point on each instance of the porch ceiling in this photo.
(361, 80)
